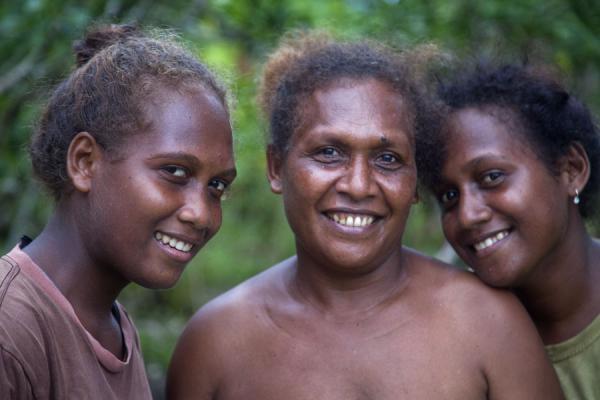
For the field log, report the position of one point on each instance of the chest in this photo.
(331, 365)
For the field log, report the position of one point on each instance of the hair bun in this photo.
(101, 37)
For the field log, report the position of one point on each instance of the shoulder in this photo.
(241, 304)
(223, 329)
(21, 326)
(488, 327)
(19, 300)
(461, 296)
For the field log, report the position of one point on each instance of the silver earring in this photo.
(576, 199)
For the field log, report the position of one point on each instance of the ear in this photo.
(416, 196)
(274, 165)
(575, 168)
(83, 156)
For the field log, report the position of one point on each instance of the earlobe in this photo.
(416, 197)
(82, 158)
(575, 168)
(274, 169)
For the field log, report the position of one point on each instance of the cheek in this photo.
(217, 217)
(449, 228)
(401, 192)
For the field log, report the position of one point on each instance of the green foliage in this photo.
(235, 36)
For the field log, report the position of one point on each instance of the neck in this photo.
(347, 294)
(563, 296)
(61, 252)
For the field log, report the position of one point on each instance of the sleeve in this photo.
(14, 382)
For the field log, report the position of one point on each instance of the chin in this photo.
(163, 281)
(500, 282)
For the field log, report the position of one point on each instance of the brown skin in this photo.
(101, 236)
(354, 315)
(494, 182)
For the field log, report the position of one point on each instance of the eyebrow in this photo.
(474, 163)
(189, 159)
(177, 155)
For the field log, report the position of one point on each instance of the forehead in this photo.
(193, 119)
(486, 127)
(352, 105)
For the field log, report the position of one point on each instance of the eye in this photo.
(492, 178)
(388, 161)
(448, 197)
(176, 171)
(327, 155)
(219, 188)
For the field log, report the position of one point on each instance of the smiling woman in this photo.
(135, 146)
(520, 169)
(354, 314)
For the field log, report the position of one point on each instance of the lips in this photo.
(173, 242)
(490, 240)
(351, 219)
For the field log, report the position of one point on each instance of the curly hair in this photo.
(549, 119)
(306, 62)
(118, 67)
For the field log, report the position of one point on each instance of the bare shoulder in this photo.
(489, 325)
(219, 332)
(241, 304)
(462, 292)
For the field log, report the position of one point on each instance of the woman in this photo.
(515, 167)
(354, 315)
(135, 146)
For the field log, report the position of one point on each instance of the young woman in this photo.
(135, 146)
(515, 167)
(354, 315)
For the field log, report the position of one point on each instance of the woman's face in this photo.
(158, 201)
(503, 210)
(349, 177)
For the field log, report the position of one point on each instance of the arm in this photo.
(196, 362)
(14, 382)
(515, 362)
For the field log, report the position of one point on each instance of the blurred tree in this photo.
(236, 37)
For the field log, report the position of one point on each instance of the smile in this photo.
(484, 244)
(172, 242)
(353, 220)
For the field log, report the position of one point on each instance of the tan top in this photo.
(46, 353)
(577, 363)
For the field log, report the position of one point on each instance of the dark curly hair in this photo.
(305, 62)
(550, 119)
(118, 67)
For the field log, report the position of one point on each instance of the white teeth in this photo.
(172, 242)
(490, 241)
(352, 220)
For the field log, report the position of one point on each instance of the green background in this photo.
(235, 37)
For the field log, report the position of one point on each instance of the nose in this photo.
(199, 210)
(473, 209)
(357, 180)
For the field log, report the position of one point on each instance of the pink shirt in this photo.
(46, 353)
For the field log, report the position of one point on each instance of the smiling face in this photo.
(154, 205)
(349, 177)
(503, 210)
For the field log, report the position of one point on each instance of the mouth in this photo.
(177, 244)
(351, 220)
(490, 241)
